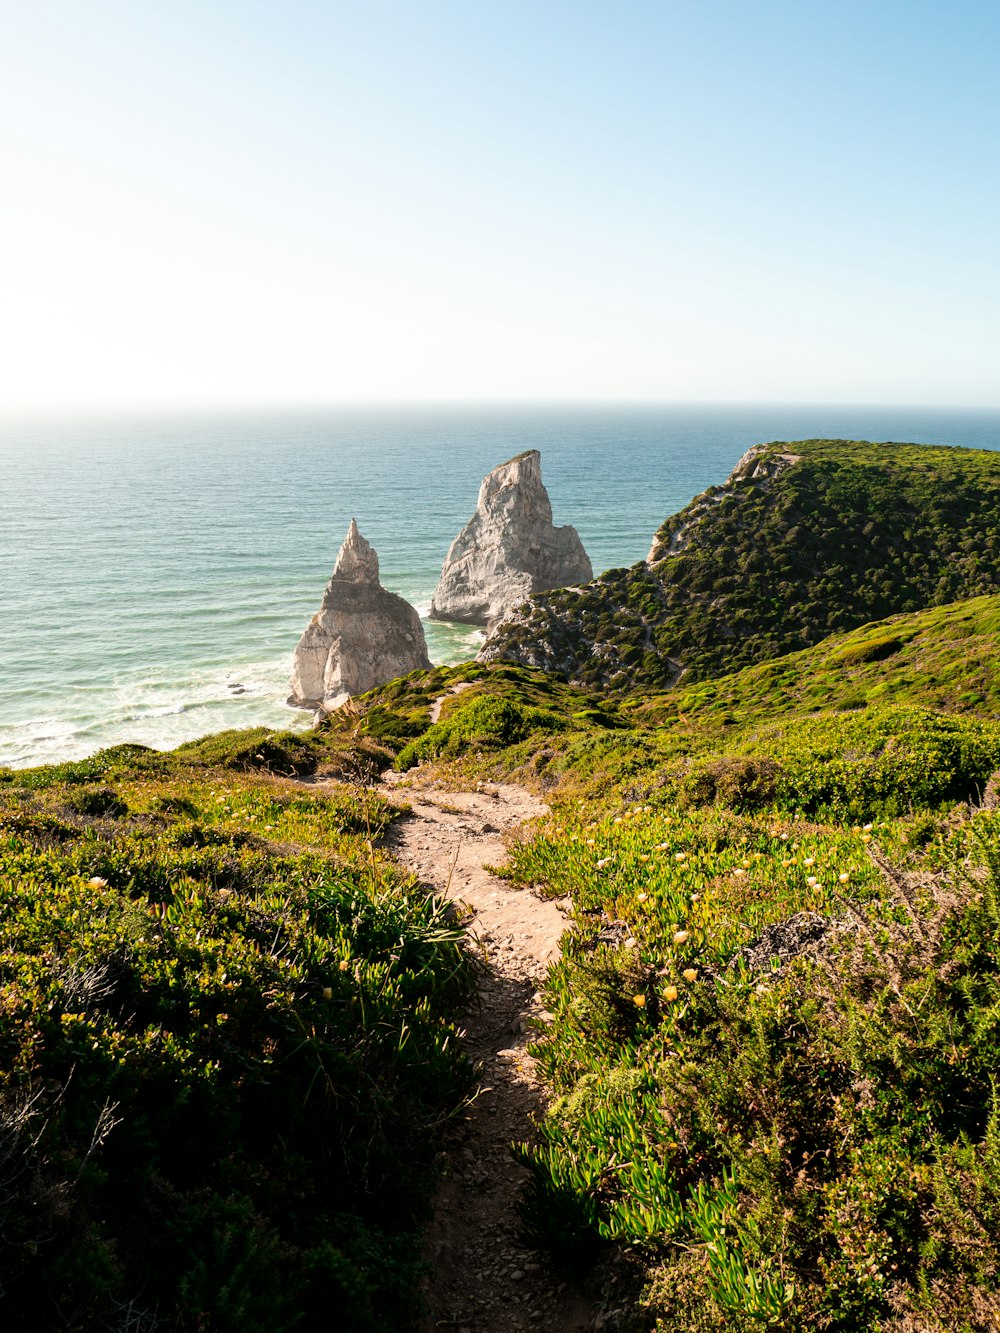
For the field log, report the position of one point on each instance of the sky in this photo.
(285, 202)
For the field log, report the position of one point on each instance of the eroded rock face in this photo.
(509, 549)
(361, 637)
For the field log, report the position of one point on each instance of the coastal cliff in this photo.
(509, 549)
(361, 637)
(803, 540)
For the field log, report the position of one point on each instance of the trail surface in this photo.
(483, 1277)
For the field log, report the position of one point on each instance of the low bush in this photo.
(225, 1049)
(886, 761)
(284, 752)
(810, 1143)
(743, 784)
(485, 722)
(871, 650)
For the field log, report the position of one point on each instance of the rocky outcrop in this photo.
(509, 549)
(361, 637)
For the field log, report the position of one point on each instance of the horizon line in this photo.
(160, 407)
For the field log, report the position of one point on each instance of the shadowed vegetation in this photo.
(225, 1045)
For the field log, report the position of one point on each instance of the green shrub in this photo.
(486, 722)
(393, 728)
(259, 749)
(225, 1050)
(103, 764)
(885, 762)
(873, 650)
(97, 802)
(743, 784)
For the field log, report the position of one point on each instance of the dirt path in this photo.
(484, 1279)
(438, 703)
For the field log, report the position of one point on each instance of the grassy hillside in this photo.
(225, 1044)
(803, 541)
(772, 1037)
(897, 713)
(772, 1046)
(943, 658)
(770, 1041)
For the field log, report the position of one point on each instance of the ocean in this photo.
(156, 572)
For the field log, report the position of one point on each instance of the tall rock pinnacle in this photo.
(508, 549)
(361, 637)
(357, 561)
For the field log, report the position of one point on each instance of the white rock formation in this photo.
(508, 549)
(361, 637)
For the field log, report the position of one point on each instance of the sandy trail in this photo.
(483, 1277)
(438, 703)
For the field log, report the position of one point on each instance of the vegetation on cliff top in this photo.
(805, 540)
(943, 658)
(225, 1045)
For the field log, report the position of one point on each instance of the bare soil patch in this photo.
(483, 1277)
(439, 701)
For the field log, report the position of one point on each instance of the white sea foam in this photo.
(41, 740)
(159, 712)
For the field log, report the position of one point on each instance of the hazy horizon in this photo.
(68, 412)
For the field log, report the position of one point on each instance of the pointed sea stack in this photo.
(361, 637)
(509, 549)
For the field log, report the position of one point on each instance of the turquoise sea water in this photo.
(156, 573)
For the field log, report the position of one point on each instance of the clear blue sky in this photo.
(290, 202)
